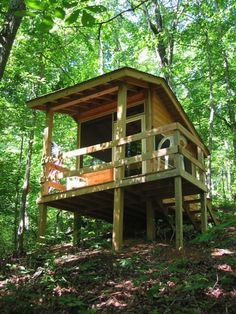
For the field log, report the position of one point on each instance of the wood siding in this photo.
(160, 114)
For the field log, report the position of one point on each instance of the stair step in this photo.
(193, 201)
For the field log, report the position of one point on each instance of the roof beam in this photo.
(85, 98)
(108, 108)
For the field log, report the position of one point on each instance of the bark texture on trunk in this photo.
(9, 31)
(23, 218)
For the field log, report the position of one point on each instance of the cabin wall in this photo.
(161, 116)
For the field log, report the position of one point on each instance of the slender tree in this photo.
(23, 217)
(9, 30)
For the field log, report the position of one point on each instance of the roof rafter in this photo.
(84, 99)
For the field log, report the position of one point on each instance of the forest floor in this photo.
(143, 278)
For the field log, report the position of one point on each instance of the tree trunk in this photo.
(212, 112)
(17, 197)
(231, 102)
(158, 31)
(165, 37)
(8, 32)
(101, 59)
(23, 219)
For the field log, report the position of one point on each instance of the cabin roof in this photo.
(101, 92)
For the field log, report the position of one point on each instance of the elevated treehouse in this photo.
(148, 157)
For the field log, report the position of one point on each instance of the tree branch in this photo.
(122, 12)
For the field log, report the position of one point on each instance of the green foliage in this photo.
(179, 265)
(73, 17)
(218, 232)
(71, 301)
(126, 262)
(87, 19)
(88, 265)
(35, 4)
(196, 282)
(60, 13)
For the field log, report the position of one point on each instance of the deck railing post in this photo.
(120, 131)
(149, 125)
(200, 157)
(78, 158)
(178, 157)
(47, 149)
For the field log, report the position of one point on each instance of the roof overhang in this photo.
(107, 84)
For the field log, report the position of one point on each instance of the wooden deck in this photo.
(98, 201)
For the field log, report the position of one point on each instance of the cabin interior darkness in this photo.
(97, 131)
(100, 130)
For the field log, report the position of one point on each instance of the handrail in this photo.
(63, 172)
(119, 163)
(122, 141)
(190, 136)
(131, 138)
(185, 152)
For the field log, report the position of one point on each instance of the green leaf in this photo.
(23, 13)
(60, 13)
(96, 8)
(52, 2)
(73, 17)
(69, 5)
(87, 19)
(46, 24)
(35, 4)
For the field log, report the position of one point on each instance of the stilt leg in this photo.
(150, 216)
(42, 223)
(118, 213)
(178, 213)
(203, 212)
(76, 228)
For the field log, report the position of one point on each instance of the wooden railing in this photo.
(176, 155)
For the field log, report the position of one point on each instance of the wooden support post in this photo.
(120, 131)
(76, 228)
(178, 213)
(48, 133)
(203, 212)
(47, 146)
(178, 157)
(200, 157)
(150, 216)
(42, 223)
(118, 210)
(149, 126)
(78, 145)
(118, 213)
(150, 213)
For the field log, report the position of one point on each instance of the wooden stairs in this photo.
(191, 208)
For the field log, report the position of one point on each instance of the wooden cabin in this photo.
(148, 157)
